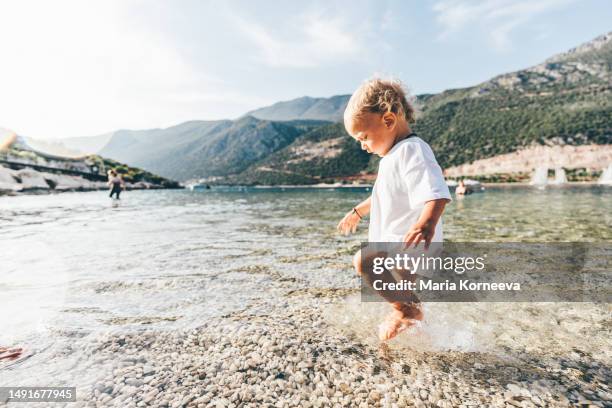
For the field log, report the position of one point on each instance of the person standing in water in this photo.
(462, 189)
(410, 193)
(116, 183)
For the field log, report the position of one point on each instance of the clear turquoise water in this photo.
(75, 267)
(105, 261)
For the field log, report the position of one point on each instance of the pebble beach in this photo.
(295, 358)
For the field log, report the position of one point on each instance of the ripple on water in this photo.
(75, 268)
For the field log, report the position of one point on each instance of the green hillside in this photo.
(91, 167)
(501, 122)
(205, 149)
(566, 100)
(321, 155)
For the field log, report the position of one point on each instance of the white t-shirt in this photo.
(408, 176)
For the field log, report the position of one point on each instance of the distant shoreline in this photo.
(43, 191)
(522, 184)
(5, 193)
(347, 186)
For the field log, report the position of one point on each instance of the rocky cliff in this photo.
(25, 170)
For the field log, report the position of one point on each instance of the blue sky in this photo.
(80, 68)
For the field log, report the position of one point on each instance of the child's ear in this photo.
(389, 119)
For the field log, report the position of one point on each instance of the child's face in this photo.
(374, 132)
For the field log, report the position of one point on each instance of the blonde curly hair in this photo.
(379, 96)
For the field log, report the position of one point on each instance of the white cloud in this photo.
(74, 68)
(498, 17)
(310, 40)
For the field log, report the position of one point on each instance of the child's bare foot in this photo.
(399, 320)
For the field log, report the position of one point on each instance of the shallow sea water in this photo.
(75, 268)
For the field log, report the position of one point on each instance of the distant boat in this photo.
(472, 183)
(197, 186)
(606, 176)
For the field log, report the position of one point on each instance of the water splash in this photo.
(502, 329)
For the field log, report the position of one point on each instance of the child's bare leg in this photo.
(406, 310)
(404, 315)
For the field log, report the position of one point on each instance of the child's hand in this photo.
(421, 231)
(348, 224)
(425, 227)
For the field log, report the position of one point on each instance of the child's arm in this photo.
(424, 228)
(349, 223)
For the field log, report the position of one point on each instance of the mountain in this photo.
(320, 155)
(329, 109)
(158, 149)
(566, 100)
(204, 148)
